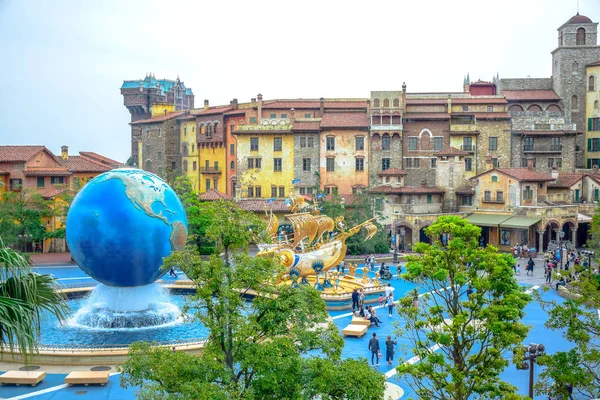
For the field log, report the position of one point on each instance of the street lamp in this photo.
(531, 353)
(561, 235)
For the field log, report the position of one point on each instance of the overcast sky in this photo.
(62, 62)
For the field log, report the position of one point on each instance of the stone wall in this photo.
(541, 159)
(307, 178)
(377, 154)
(424, 131)
(525, 83)
(487, 129)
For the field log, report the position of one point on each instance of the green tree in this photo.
(24, 296)
(364, 207)
(473, 332)
(21, 213)
(578, 319)
(282, 346)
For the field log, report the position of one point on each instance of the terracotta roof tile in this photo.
(386, 189)
(546, 133)
(306, 126)
(451, 151)
(211, 110)
(392, 172)
(345, 120)
(101, 159)
(465, 190)
(566, 180)
(46, 172)
(160, 118)
(213, 194)
(425, 116)
(480, 100)
(314, 104)
(19, 153)
(51, 193)
(524, 95)
(579, 19)
(260, 205)
(594, 64)
(484, 115)
(82, 164)
(4, 172)
(425, 101)
(521, 174)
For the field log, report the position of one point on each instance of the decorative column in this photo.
(574, 236)
(557, 232)
(541, 240)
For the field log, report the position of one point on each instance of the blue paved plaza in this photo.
(52, 387)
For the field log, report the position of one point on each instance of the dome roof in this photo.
(579, 19)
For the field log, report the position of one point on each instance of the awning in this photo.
(519, 222)
(583, 218)
(487, 219)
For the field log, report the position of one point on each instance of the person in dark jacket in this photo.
(389, 350)
(374, 347)
(530, 265)
(354, 299)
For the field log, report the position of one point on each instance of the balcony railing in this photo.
(210, 170)
(467, 147)
(491, 200)
(431, 208)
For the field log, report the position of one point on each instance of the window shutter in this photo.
(589, 144)
(589, 124)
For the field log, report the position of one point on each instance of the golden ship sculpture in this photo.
(316, 238)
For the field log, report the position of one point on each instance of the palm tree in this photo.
(24, 297)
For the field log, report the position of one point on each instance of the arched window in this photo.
(385, 142)
(185, 165)
(591, 83)
(494, 178)
(499, 196)
(596, 105)
(148, 165)
(386, 103)
(580, 36)
(376, 103)
(385, 119)
(396, 119)
(553, 108)
(574, 66)
(232, 167)
(487, 195)
(574, 102)
(534, 107)
(160, 171)
(396, 103)
(515, 108)
(172, 146)
(184, 150)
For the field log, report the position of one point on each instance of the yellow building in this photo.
(190, 155)
(265, 155)
(592, 132)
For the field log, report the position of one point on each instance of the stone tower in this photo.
(577, 47)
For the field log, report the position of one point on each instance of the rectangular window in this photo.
(207, 165)
(412, 143)
(493, 143)
(359, 164)
(250, 162)
(306, 164)
(232, 149)
(273, 191)
(490, 108)
(467, 144)
(550, 162)
(593, 124)
(330, 143)
(429, 199)
(207, 184)
(500, 196)
(528, 144)
(257, 191)
(250, 191)
(258, 163)
(467, 200)
(330, 164)
(416, 162)
(40, 181)
(523, 163)
(465, 108)
(495, 163)
(487, 196)
(216, 165)
(231, 128)
(309, 190)
(281, 191)
(194, 166)
(310, 142)
(277, 164)
(468, 164)
(359, 143)
(596, 194)
(385, 164)
(283, 116)
(272, 116)
(173, 165)
(527, 193)
(302, 190)
(216, 183)
(254, 144)
(433, 162)
(57, 180)
(252, 120)
(558, 162)
(277, 144)
(306, 115)
(408, 163)
(555, 144)
(302, 141)
(438, 143)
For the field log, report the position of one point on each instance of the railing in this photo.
(467, 147)
(115, 346)
(209, 170)
(490, 200)
(547, 211)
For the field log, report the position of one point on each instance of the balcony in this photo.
(469, 148)
(547, 211)
(497, 200)
(432, 208)
(386, 128)
(210, 170)
(553, 148)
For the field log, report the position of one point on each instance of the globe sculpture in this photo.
(120, 226)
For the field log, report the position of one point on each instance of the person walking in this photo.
(548, 275)
(389, 350)
(530, 265)
(374, 348)
(361, 298)
(354, 299)
(390, 304)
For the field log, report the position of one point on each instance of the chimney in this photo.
(530, 164)
(259, 108)
(292, 115)
(449, 103)
(404, 96)
(321, 106)
(206, 104)
(234, 104)
(64, 152)
(555, 174)
(253, 100)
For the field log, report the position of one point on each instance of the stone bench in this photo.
(22, 377)
(360, 321)
(355, 330)
(87, 378)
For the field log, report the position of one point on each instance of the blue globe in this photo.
(121, 225)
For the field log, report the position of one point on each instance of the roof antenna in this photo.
(577, 7)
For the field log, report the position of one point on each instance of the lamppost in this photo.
(561, 235)
(531, 353)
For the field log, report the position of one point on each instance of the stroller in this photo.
(385, 273)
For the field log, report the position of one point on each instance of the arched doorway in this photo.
(404, 234)
(551, 234)
(567, 232)
(423, 236)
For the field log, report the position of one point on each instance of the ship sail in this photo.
(273, 226)
(294, 203)
(304, 225)
(324, 224)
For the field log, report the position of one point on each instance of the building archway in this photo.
(551, 233)
(404, 237)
